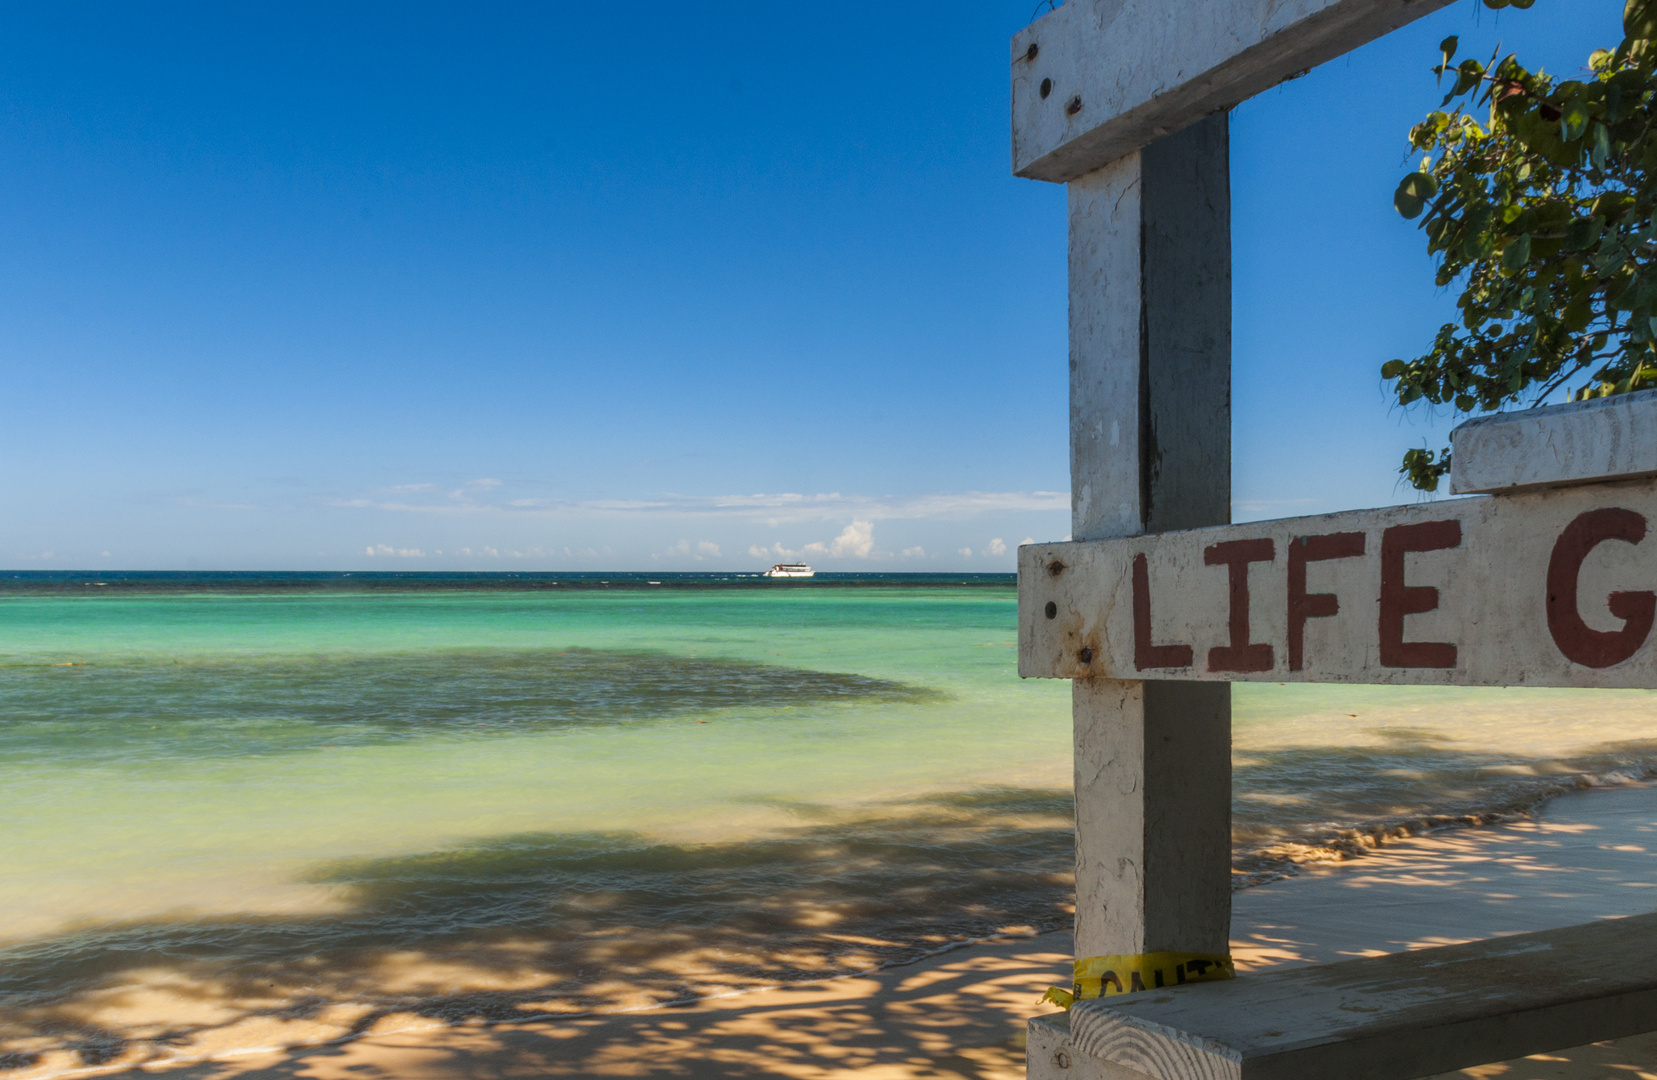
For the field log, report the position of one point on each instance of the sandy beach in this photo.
(960, 1014)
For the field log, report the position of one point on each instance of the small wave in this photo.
(1506, 794)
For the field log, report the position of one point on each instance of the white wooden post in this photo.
(1124, 101)
(1150, 393)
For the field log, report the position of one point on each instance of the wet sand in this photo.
(961, 1013)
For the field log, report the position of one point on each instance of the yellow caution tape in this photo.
(1059, 996)
(1102, 976)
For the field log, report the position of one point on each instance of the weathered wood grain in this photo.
(1150, 356)
(1582, 442)
(1390, 1017)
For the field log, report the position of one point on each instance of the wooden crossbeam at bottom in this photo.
(1392, 1017)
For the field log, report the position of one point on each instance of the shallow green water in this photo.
(206, 750)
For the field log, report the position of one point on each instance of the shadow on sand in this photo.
(555, 924)
(549, 923)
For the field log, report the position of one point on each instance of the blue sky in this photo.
(556, 286)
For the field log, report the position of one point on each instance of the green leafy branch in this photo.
(1543, 213)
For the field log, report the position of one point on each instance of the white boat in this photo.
(790, 569)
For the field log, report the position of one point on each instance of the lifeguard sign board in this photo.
(1551, 583)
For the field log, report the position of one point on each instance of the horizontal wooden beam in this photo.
(1389, 1017)
(1095, 80)
(1551, 588)
(1583, 442)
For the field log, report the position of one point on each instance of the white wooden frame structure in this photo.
(1125, 101)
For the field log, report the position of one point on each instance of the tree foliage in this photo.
(1543, 215)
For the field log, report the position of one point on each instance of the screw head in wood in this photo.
(1086, 656)
(1074, 107)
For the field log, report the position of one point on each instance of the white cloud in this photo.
(965, 553)
(916, 552)
(1261, 507)
(777, 509)
(106, 554)
(704, 549)
(1027, 540)
(856, 541)
(213, 504)
(460, 499)
(401, 553)
(997, 547)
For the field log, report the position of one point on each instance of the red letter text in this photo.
(1241, 654)
(1146, 655)
(1399, 599)
(1304, 605)
(1576, 639)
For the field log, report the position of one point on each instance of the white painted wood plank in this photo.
(1096, 80)
(1389, 1017)
(1584, 442)
(1552, 588)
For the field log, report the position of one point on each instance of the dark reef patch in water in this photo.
(142, 709)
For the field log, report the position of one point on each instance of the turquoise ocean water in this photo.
(241, 811)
